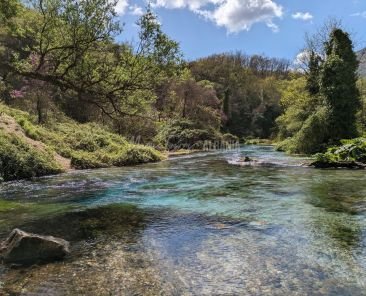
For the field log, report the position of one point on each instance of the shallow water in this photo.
(195, 225)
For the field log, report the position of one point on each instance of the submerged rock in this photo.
(27, 248)
(247, 159)
(320, 164)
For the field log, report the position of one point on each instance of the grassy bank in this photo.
(31, 150)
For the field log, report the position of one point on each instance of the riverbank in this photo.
(30, 150)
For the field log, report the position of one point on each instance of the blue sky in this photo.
(275, 28)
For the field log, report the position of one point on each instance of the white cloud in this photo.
(234, 15)
(305, 16)
(121, 6)
(193, 5)
(302, 58)
(136, 10)
(361, 14)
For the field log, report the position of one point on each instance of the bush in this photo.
(18, 160)
(312, 136)
(257, 141)
(183, 134)
(130, 155)
(86, 160)
(230, 138)
(137, 154)
(350, 150)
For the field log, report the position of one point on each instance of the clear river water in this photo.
(194, 225)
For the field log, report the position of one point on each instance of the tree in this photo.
(338, 78)
(8, 9)
(246, 86)
(70, 45)
(312, 76)
(303, 126)
(321, 108)
(185, 98)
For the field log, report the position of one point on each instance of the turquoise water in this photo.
(196, 225)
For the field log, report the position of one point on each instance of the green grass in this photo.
(88, 145)
(18, 160)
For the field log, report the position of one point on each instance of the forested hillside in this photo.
(60, 62)
(248, 88)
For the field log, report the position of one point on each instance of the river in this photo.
(195, 225)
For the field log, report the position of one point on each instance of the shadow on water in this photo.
(112, 221)
(113, 251)
(344, 199)
(106, 256)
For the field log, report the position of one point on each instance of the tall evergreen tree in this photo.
(312, 79)
(338, 79)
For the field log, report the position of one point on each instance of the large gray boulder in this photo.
(27, 248)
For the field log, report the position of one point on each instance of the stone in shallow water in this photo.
(27, 248)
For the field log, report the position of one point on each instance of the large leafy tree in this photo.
(70, 44)
(338, 80)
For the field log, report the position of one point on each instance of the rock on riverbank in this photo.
(27, 248)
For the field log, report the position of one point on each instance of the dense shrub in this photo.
(89, 146)
(18, 160)
(85, 160)
(230, 138)
(183, 134)
(257, 141)
(312, 136)
(137, 154)
(350, 150)
(127, 155)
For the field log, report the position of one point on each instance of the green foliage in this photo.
(124, 156)
(18, 160)
(8, 10)
(195, 101)
(349, 150)
(136, 154)
(257, 141)
(248, 88)
(230, 138)
(87, 145)
(310, 138)
(69, 46)
(321, 108)
(85, 160)
(184, 134)
(90, 146)
(24, 120)
(312, 79)
(303, 126)
(338, 85)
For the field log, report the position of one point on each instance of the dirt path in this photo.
(9, 125)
